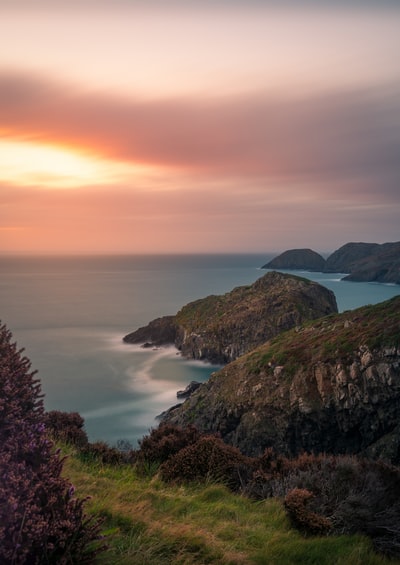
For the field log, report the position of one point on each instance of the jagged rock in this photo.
(158, 332)
(189, 390)
(304, 259)
(221, 328)
(331, 386)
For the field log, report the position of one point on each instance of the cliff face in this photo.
(304, 259)
(332, 385)
(221, 328)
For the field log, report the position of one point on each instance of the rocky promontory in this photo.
(381, 265)
(303, 259)
(221, 328)
(331, 385)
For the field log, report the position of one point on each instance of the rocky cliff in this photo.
(332, 385)
(221, 328)
(304, 259)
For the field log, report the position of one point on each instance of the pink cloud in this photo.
(332, 136)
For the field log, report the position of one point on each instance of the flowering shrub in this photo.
(165, 441)
(41, 521)
(207, 459)
(66, 427)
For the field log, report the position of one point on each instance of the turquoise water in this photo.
(70, 315)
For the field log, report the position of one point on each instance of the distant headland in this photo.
(363, 262)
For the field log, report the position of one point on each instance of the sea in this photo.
(70, 315)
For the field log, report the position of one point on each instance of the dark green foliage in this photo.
(207, 459)
(41, 521)
(165, 441)
(66, 427)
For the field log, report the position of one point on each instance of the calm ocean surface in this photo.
(70, 314)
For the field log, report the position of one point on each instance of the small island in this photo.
(362, 262)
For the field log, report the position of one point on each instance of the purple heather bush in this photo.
(67, 427)
(41, 521)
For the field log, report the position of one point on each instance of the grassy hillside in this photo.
(333, 337)
(149, 522)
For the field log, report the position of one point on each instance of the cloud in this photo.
(337, 143)
(330, 137)
(217, 216)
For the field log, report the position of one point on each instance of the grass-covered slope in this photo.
(150, 523)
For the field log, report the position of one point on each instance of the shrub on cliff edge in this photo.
(41, 521)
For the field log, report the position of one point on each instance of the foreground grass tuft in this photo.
(148, 522)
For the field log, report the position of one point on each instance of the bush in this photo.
(269, 470)
(165, 441)
(207, 459)
(372, 506)
(301, 516)
(66, 427)
(41, 521)
(102, 452)
(354, 495)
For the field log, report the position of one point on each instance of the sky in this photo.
(186, 126)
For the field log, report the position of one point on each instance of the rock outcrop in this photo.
(221, 328)
(303, 259)
(160, 331)
(189, 390)
(332, 385)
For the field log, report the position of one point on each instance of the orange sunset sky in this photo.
(133, 126)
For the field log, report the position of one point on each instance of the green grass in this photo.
(147, 522)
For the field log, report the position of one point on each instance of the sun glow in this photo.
(31, 164)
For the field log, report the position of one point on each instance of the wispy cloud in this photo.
(327, 136)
